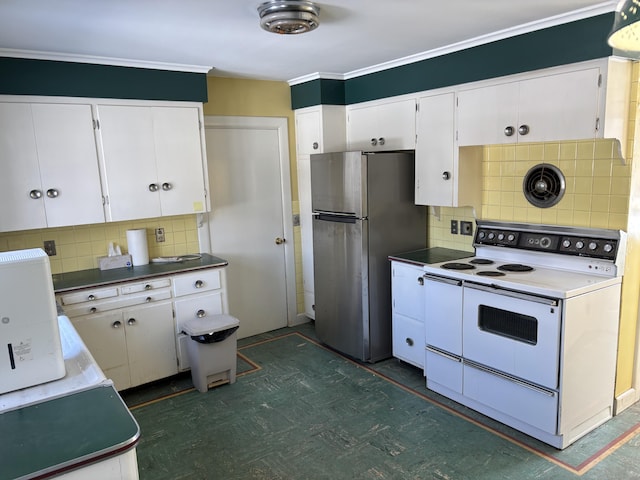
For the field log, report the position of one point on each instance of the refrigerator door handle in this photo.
(333, 214)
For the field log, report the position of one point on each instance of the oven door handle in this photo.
(509, 378)
(512, 293)
(436, 278)
(444, 354)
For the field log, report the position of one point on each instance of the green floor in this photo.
(300, 411)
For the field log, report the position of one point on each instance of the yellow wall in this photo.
(79, 247)
(259, 98)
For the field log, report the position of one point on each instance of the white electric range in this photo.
(526, 330)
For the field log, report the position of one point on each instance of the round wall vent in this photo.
(288, 16)
(543, 185)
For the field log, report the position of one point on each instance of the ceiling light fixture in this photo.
(625, 34)
(289, 16)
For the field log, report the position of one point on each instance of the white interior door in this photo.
(249, 180)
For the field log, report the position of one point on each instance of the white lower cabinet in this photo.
(134, 329)
(407, 299)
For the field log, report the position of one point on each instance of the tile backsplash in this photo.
(78, 247)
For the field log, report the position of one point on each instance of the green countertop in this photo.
(95, 277)
(428, 256)
(52, 437)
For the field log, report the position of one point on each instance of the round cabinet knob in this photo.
(446, 175)
(279, 241)
(116, 324)
(52, 193)
(148, 287)
(509, 131)
(420, 281)
(409, 341)
(91, 297)
(374, 142)
(166, 186)
(593, 245)
(523, 129)
(199, 284)
(148, 299)
(381, 141)
(35, 194)
(315, 145)
(153, 187)
(608, 247)
(131, 321)
(93, 310)
(201, 313)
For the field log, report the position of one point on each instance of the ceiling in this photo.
(224, 38)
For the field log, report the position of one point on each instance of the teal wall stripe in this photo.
(562, 44)
(20, 76)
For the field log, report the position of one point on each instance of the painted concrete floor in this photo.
(300, 411)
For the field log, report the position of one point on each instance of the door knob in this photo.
(279, 241)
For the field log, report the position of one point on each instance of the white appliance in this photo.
(30, 345)
(526, 331)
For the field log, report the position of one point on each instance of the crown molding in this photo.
(118, 62)
(599, 9)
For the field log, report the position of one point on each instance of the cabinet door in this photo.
(68, 164)
(151, 342)
(397, 125)
(129, 162)
(408, 340)
(362, 128)
(308, 132)
(559, 107)
(104, 336)
(407, 291)
(179, 160)
(484, 113)
(20, 171)
(436, 154)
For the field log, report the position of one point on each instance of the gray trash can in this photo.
(212, 349)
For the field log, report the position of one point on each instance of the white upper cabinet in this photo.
(445, 175)
(50, 166)
(548, 107)
(388, 125)
(320, 129)
(152, 160)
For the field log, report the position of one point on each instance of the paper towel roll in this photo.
(138, 248)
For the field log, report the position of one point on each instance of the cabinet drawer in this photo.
(408, 340)
(145, 286)
(198, 306)
(443, 372)
(118, 302)
(87, 295)
(196, 282)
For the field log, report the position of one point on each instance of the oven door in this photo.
(512, 332)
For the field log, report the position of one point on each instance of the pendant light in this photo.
(289, 16)
(625, 34)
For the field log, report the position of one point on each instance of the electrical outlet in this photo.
(454, 227)
(50, 247)
(160, 235)
(466, 228)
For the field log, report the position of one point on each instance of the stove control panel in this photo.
(548, 242)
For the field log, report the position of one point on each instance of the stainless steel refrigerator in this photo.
(363, 211)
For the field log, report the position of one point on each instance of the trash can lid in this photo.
(206, 325)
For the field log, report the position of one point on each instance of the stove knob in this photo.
(566, 243)
(579, 245)
(481, 234)
(593, 245)
(492, 236)
(511, 237)
(501, 236)
(545, 242)
(608, 247)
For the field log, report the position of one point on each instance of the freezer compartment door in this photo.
(341, 278)
(337, 183)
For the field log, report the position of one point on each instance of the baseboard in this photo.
(299, 320)
(625, 400)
